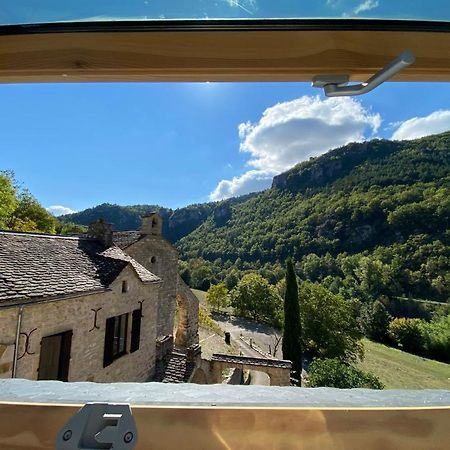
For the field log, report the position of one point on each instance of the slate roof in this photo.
(36, 266)
(124, 239)
(174, 368)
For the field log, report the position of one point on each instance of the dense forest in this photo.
(367, 220)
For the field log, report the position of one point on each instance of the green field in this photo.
(401, 370)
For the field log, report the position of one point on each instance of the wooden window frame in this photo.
(270, 50)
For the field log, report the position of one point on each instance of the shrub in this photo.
(436, 337)
(336, 373)
(206, 321)
(407, 334)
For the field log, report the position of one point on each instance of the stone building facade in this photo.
(91, 308)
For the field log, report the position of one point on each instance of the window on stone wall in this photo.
(115, 338)
(153, 259)
(124, 286)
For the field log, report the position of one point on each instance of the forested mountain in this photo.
(176, 222)
(366, 219)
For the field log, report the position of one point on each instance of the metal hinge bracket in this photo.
(99, 426)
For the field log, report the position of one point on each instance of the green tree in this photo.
(292, 329)
(217, 296)
(329, 327)
(29, 215)
(374, 321)
(254, 297)
(8, 201)
(338, 374)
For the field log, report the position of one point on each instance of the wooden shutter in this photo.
(49, 358)
(64, 359)
(135, 330)
(109, 342)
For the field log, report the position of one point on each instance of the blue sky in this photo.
(79, 145)
(14, 11)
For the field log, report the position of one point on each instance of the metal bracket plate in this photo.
(99, 426)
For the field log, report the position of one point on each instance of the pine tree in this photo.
(292, 344)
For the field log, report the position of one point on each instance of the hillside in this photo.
(176, 222)
(377, 209)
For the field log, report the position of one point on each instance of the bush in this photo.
(206, 321)
(338, 374)
(407, 334)
(436, 337)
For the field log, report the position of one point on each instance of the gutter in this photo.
(16, 344)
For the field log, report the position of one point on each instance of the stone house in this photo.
(99, 307)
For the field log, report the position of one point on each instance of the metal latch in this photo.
(99, 426)
(337, 85)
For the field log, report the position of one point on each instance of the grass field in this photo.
(401, 370)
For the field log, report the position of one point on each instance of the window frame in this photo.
(260, 50)
(116, 333)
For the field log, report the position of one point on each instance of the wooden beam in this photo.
(280, 55)
(35, 426)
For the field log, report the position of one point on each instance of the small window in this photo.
(135, 330)
(124, 286)
(153, 260)
(115, 338)
(154, 223)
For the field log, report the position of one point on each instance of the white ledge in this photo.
(17, 390)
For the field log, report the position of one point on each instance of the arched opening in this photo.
(256, 377)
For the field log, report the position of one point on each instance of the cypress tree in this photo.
(292, 344)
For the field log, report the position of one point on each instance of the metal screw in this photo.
(67, 435)
(128, 437)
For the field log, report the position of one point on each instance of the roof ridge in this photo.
(45, 235)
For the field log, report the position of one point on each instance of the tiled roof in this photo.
(36, 266)
(174, 368)
(124, 239)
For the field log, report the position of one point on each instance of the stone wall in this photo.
(187, 327)
(160, 258)
(86, 363)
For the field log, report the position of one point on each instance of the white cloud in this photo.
(251, 181)
(58, 210)
(367, 5)
(291, 132)
(416, 127)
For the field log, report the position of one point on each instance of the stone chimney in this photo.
(152, 224)
(102, 231)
